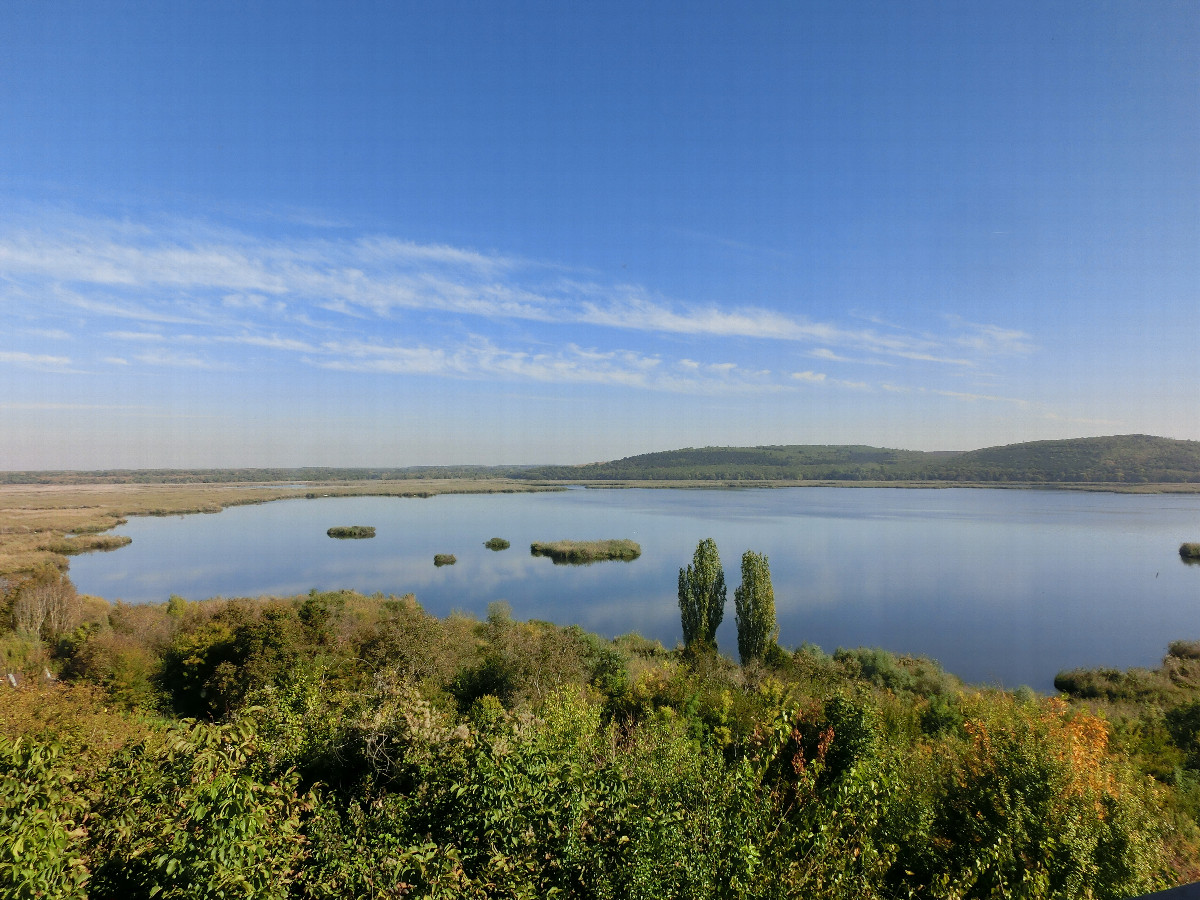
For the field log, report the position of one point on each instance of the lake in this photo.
(1001, 586)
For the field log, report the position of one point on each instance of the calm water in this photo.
(1000, 586)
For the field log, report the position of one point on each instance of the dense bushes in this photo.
(345, 745)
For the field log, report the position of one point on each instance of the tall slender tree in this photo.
(754, 606)
(702, 595)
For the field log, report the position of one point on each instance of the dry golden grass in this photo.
(36, 520)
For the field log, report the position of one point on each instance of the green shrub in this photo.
(185, 818)
(497, 543)
(1032, 805)
(444, 559)
(42, 814)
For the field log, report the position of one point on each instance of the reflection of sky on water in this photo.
(999, 585)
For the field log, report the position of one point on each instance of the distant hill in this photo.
(1122, 459)
(824, 462)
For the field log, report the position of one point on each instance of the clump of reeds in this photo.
(444, 559)
(583, 552)
(1190, 551)
(497, 543)
(352, 531)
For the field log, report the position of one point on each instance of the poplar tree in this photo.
(702, 595)
(754, 606)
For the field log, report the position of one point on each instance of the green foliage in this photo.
(702, 595)
(207, 670)
(444, 559)
(184, 818)
(910, 674)
(497, 543)
(364, 849)
(42, 819)
(1190, 551)
(754, 605)
(370, 749)
(1031, 806)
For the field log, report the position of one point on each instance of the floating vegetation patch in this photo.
(497, 544)
(576, 553)
(1190, 552)
(352, 531)
(444, 559)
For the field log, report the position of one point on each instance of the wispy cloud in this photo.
(990, 340)
(571, 364)
(816, 377)
(53, 334)
(973, 398)
(135, 336)
(34, 360)
(181, 361)
(319, 297)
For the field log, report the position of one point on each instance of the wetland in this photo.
(1003, 587)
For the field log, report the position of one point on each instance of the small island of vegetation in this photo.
(497, 543)
(583, 552)
(352, 531)
(1190, 552)
(444, 559)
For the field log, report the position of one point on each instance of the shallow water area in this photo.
(1000, 586)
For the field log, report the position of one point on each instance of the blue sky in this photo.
(241, 234)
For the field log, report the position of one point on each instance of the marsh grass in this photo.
(352, 531)
(575, 553)
(33, 517)
(1190, 552)
(86, 543)
(497, 543)
(444, 559)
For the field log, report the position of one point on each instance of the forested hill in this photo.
(1122, 459)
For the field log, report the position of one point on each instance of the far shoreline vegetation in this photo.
(584, 552)
(47, 516)
(353, 532)
(1115, 462)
